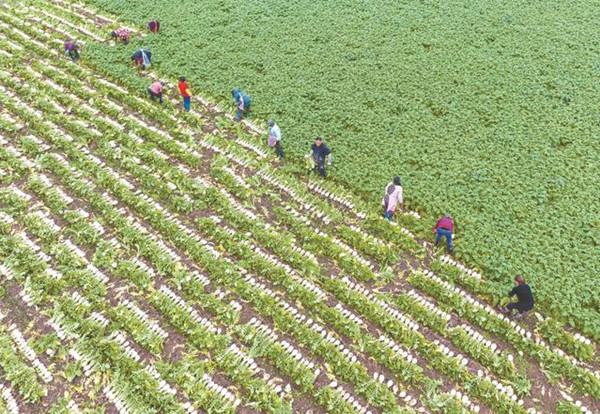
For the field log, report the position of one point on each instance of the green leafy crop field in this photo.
(488, 110)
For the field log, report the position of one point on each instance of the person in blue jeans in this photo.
(392, 198)
(243, 102)
(321, 154)
(184, 90)
(524, 295)
(274, 139)
(444, 228)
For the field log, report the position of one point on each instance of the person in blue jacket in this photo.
(142, 57)
(243, 102)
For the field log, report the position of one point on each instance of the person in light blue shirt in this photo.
(274, 140)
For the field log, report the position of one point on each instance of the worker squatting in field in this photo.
(524, 298)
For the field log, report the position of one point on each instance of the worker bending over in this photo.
(72, 50)
(155, 91)
(122, 35)
(154, 26)
(444, 228)
(242, 102)
(141, 57)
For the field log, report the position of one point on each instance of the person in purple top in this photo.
(444, 228)
(72, 50)
(154, 26)
(524, 298)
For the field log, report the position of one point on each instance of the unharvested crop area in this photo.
(156, 262)
(488, 110)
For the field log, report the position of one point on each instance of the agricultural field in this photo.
(157, 262)
(488, 110)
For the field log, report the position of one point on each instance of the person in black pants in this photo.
(524, 296)
(320, 154)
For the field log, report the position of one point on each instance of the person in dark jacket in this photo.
(141, 57)
(444, 228)
(524, 298)
(242, 102)
(321, 154)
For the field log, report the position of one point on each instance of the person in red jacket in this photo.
(184, 90)
(444, 228)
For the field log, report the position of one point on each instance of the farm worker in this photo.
(392, 198)
(524, 296)
(321, 155)
(72, 50)
(154, 26)
(142, 57)
(444, 228)
(184, 90)
(155, 91)
(242, 102)
(274, 139)
(122, 34)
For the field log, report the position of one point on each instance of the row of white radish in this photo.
(118, 337)
(527, 335)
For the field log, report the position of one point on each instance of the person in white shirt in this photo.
(275, 138)
(392, 198)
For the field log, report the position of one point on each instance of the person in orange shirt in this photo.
(184, 90)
